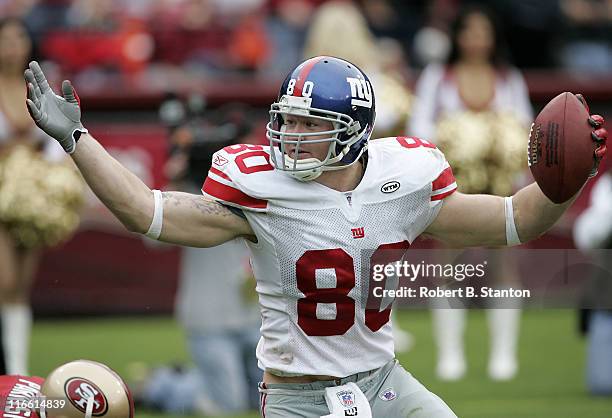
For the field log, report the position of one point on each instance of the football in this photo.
(560, 153)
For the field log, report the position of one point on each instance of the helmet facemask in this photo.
(340, 138)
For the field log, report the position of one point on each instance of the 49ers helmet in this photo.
(329, 89)
(90, 389)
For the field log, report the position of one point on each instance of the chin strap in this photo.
(89, 409)
(42, 412)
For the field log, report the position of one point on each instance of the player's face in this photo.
(307, 149)
(476, 38)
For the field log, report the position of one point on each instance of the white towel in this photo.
(347, 401)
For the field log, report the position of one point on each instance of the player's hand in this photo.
(599, 135)
(59, 117)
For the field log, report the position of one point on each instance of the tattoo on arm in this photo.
(188, 200)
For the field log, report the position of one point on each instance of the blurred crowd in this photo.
(267, 36)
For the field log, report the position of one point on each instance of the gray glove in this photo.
(59, 117)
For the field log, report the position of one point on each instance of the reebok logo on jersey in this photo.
(390, 186)
(358, 232)
(220, 160)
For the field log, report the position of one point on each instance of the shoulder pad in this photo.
(418, 162)
(233, 175)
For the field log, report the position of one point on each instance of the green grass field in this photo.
(550, 383)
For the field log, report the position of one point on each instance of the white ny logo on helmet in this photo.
(361, 89)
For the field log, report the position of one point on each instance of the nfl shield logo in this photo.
(388, 394)
(346, 398)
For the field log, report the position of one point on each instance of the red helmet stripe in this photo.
(303, 75)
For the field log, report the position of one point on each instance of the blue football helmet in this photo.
(329, 89)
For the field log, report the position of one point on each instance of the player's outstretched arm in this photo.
(187, 219)
(482, 220)
(467, 220)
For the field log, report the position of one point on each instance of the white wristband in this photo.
(512, 237)
(158, 216)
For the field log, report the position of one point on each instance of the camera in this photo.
(195, 133)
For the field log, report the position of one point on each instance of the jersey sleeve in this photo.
(228, 184)
(444, 185)
(15, 389)
(426, 163)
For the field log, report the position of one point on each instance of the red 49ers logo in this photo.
(79, 391)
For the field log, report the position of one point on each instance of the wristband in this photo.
(158, 216)
(512, 237)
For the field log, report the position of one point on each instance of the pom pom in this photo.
(39, 200)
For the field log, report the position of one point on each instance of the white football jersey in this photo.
(311, 259)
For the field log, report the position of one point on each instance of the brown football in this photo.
(561, 150)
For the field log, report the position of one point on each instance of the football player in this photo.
(79, 389)
(309, 206)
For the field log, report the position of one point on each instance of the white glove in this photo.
(59, 117)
